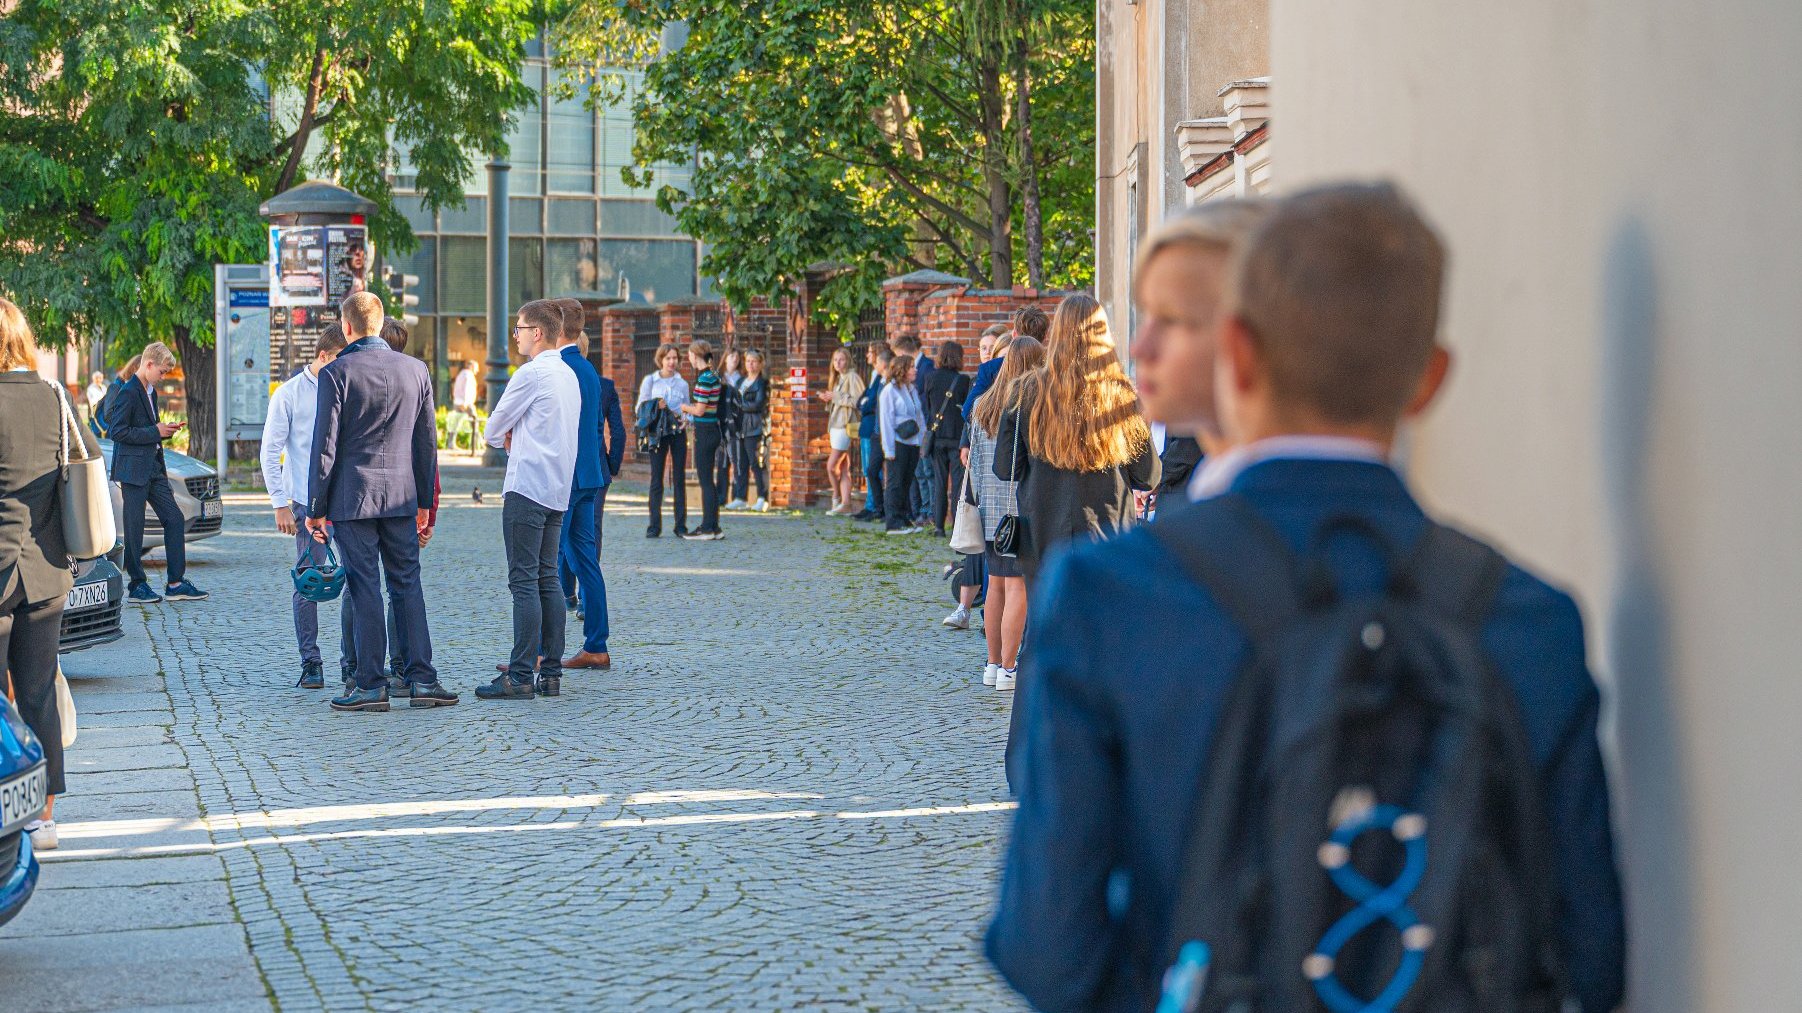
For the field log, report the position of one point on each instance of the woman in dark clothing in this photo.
(943, 402)
(1084, 447)
(34, 564)
(747, 445)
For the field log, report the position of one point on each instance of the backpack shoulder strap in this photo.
(1455, 574)
(1238, 557)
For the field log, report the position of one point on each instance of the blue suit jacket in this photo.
(1128, 663)
(923, 368)
(596, 461)
(131, 425)
(867, 408)
(375, 438)
(985, 378)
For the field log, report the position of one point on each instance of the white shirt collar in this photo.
(1218, 473)
(549, 353)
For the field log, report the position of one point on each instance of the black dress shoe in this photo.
(432, 694)
(397, 684)
(375, 698)
(312, 675)
(504, 688)
(550, 685)
(653, 533)
(681, 530)
(571, 602)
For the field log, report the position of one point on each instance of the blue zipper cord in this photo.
(1187, 979)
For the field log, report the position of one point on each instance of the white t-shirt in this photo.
(463, 389)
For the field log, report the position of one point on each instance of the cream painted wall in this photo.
(1620, 182)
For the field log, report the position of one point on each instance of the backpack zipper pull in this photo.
(1187, 979)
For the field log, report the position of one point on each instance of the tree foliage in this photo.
(137, 141)
(874, 134)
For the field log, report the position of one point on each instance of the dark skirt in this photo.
(999, 565)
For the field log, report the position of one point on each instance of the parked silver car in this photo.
(196, 486)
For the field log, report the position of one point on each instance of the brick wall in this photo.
(901, 298)
(619, 327)
(799, 444)
(964, 313)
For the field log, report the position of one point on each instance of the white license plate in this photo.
(210, 508)
(86, 595)
(22, 798)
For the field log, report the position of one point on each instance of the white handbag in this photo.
(966, 531)
(89, 528)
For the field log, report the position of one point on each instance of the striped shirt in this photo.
(707, 396)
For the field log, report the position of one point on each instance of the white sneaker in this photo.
(898, 531)
(761, 506)
(988, 674)
(43, 834)
(1005, 678)
(737, 504)
(959, 620)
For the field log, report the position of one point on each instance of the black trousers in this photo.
(900, 480)
(160, 498)
(707, 445)
(673, 452)
(947, 482)
(29, 634)
(725, 466)
(371, 550)
(748, 462)
(532, 533)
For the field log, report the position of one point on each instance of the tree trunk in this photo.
(1029, 166)
(303, 131)
(994, 174)
(198, 389)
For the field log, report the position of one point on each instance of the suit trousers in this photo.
(579, 552)
(947, 483)
(674, 451)
(29, 635)
(531, 532)
(160, 498)
(371, 550)
(565, 573)
(707, 444)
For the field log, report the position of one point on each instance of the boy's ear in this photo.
(1238, 358)
(1439, 364)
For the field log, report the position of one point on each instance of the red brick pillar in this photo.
(799, 443)
(902, 298)
(619, 328)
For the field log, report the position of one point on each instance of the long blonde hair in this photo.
(1085, 412)
(18, 349)
(1024, 355)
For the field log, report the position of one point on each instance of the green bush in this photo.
(444, 426)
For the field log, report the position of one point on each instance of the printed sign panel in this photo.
(244, 336)
(297, 265)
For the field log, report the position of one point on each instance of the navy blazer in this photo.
(867, 408)
(985, 378)
(375, 437)
(1128, 663)
(597, 460)
(923, 367)
(131, 425)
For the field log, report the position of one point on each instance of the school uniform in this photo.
(869, 435)
(1127, 666)
(898, 405)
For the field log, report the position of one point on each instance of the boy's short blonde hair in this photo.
(158, 354)
(362, 315)
(1339, 286)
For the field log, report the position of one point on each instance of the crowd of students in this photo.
(728, 417)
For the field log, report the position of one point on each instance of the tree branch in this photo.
(943, 208)
(304, 130)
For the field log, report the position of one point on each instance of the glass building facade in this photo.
(576, 227)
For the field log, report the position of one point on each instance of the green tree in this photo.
(137, 140)
(878, 134)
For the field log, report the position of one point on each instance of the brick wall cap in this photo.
(631, 309)
(920, 278)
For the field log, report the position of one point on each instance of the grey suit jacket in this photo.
(375, 437)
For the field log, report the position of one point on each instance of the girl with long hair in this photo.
(844, 388)
(1004, 608)
(661, 399)
(747, 443)
(1084, 446)
(903, 429)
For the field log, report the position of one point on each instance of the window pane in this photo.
(525, 139)
(471, 218)
(653, 271)
(523, 214)
(465, 274)
(571, 137)
(525, 271)
(424, 263)
(571, 266)
(466, 339)
(413, 210)
(571, 218)
(635, 218)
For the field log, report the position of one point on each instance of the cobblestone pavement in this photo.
(787, 793)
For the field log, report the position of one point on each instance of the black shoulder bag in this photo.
(1008, 530)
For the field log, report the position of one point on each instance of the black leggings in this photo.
(707, 445)
(747, 462)
(900, 480)
(29, 636)
(947, 483)
(673, 450)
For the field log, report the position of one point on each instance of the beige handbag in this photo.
(966, 530)
(89, 528)
(65, 708)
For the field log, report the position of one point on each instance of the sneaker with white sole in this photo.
(737, 504)
(761, 506)
(43, 834)
(959, 620)
(988, 673)
(1005, 679)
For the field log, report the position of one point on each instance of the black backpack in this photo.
(1368, 833)
(731, 409)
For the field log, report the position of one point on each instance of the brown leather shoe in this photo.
(503, 666)
(589, 659)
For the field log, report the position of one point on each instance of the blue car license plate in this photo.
(22, 798)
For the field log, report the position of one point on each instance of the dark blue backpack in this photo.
(1368, 832)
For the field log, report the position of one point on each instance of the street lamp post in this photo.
(498, 229)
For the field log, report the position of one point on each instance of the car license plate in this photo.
(22, 798)
(210, 508)
(85, 595)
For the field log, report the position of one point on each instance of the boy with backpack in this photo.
(1294, 746)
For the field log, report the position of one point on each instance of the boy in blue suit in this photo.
(599, 453)
(1324, 342)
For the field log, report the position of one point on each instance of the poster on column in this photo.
(297, 265)
(348, 255)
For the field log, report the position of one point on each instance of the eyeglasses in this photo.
(525, 327)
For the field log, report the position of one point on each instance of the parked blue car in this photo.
(23, 780)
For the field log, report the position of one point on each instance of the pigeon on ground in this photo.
(476, 494)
